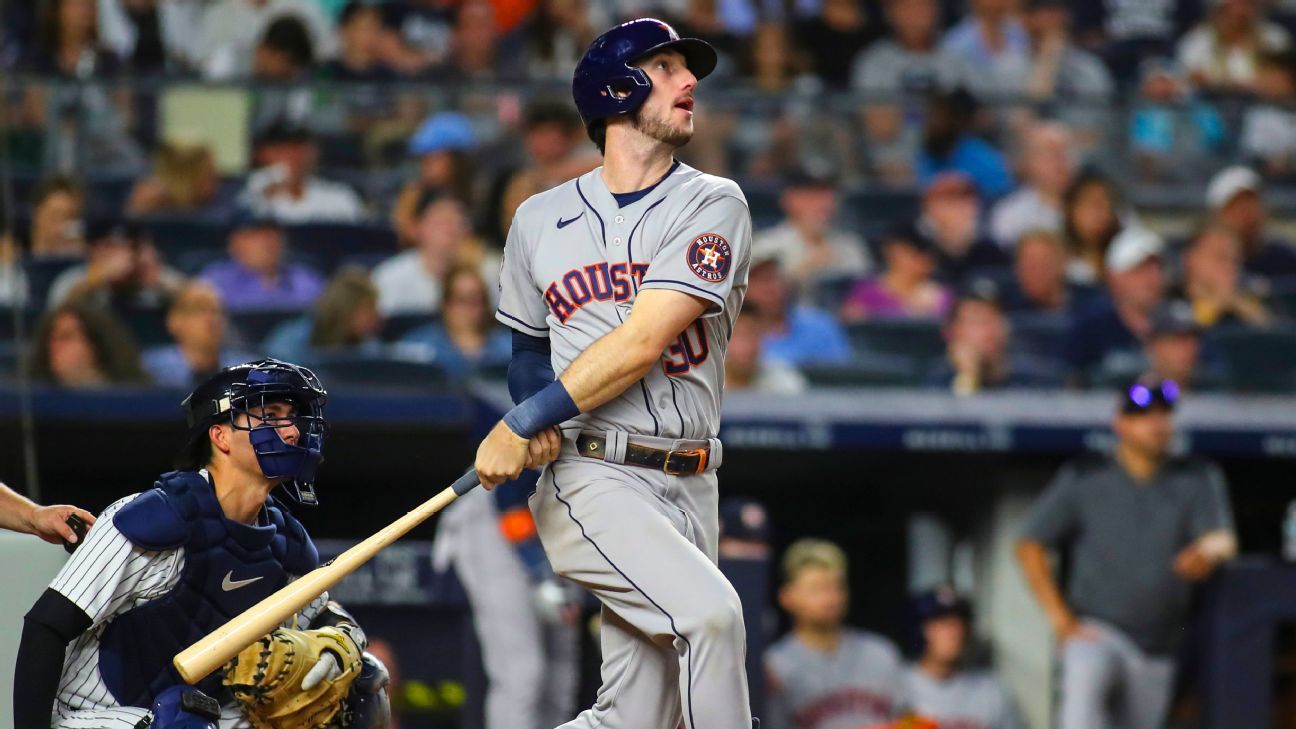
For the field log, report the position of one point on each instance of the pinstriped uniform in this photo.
(107, 576)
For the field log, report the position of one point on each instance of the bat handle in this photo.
(466, 483)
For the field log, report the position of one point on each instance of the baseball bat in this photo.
(218, 647)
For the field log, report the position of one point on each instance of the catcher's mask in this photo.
(247, 389)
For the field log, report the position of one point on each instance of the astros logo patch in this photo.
(709, 257)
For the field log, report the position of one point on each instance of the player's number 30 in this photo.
(689, 350)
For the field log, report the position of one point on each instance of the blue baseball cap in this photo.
(447, 130)
(744, 518)
(939, 602)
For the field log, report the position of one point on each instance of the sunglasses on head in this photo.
(1142, 397)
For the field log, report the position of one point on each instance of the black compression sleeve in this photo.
(52, 623)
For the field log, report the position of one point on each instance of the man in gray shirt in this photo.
(1141, 527)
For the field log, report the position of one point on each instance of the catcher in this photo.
(162, 568)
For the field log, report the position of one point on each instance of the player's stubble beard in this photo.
(655, 127)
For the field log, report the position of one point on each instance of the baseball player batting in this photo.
(627, 281)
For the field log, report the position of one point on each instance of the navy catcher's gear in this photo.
(333, 615)
(368, 706)
(183, 707)
(238, 389)
(228, 568)
(608, 84)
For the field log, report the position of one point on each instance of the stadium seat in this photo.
(1040, 335)
(763, 201)
(919, 341)
(876, 210)
(865, 370)
(381, 373)
(176, 237)
(107, 197)
(829, 293)
(326, 245)
(341, 150)
(148, 326)
(30, 317)
(192, 263)
(1258, 360)
(250, 328)
(41, 275)
(8, 360)
(397, 326)
(1283, 296)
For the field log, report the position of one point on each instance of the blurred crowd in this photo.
(956, 194)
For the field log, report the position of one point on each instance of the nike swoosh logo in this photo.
(228, 584)
(564, 223)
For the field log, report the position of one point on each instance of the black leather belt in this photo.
(673, 463)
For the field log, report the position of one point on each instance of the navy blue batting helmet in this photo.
(608, 84)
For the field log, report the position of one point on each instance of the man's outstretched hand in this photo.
(50, 522)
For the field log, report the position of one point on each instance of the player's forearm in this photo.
(624, 355)
(15, 511)
(40, 658)
(602, 372)
(609, 367)
(48, 628)
(1039, 575)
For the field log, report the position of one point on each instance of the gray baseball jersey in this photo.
(642, 541)
(856, 686)
(575, 259)
(965, 700)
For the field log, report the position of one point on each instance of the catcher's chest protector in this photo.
(228, 567)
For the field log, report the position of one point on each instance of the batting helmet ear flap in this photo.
(626, 87)
(597, 133)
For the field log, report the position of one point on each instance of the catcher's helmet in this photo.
(235, 390)
(606, 82)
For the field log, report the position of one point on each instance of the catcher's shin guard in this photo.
(183, 707)
(368, 705)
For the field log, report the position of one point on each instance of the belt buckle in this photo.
(701, 454)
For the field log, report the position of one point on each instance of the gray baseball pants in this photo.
(1108, 682)
(645, 543)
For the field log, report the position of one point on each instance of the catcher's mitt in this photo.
(266, 678)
